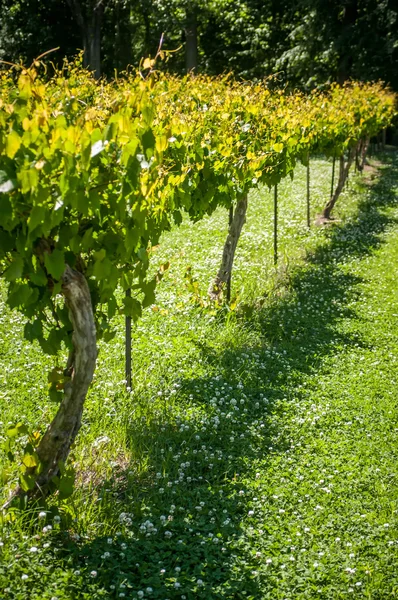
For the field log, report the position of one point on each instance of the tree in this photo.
(341, 39)
(29, 28)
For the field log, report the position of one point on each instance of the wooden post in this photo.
(128, 347)
(275, 224)
(333, 169)
(308, 194)
(230, 219)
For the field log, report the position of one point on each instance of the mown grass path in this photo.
(257, 456)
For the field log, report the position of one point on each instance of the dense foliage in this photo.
(308, 42)
(92, 174)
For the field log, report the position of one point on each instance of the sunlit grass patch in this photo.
(255, 456)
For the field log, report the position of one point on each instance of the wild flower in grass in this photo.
(93, 574)
(24, 577)
(57, 519)
(42, 514)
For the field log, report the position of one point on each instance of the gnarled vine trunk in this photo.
(343, 174)
(56, 443)
(225, 270)
(361, 153)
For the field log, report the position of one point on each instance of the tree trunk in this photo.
(224, 273)
(94, 49)
(90, 29)
(343, 174)
(347, 23)
(191, 41)
(56, 443)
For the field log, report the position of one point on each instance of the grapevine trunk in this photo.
(343, 174)
(225, 270)
(56, 443)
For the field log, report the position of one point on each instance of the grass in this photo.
(256, 455)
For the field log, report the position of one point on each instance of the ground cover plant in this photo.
(255, 456)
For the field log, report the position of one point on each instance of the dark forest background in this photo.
(308, 42)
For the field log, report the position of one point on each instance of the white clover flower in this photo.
(93, 573)
(42, 514)
(140, 594)
(24, 577)
(57, 519)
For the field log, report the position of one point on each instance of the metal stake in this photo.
(275, 224)
(128, 346)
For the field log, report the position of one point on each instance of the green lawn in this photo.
(256, 456)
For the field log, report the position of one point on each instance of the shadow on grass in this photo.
(289, 338)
